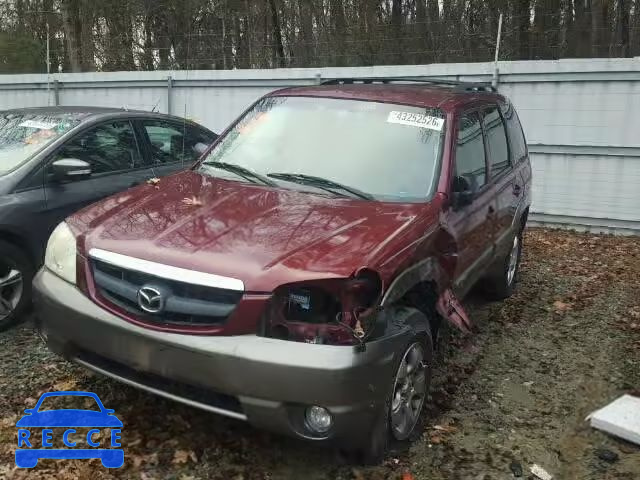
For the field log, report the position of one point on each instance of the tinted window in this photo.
(470, 156)
(109, 147)
(517, 141)
(389, 151)
(171, 142)
(496, 141)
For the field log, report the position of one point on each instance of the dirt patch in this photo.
(514, 394)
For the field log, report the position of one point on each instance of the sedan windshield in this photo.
(22, 135)
(350, 148)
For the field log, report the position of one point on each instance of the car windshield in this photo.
(23, 134)
(354, 148)
(68, 402)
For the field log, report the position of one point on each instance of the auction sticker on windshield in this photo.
(416, 120)
(38, 125)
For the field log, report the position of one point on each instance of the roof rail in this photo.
(459, 86)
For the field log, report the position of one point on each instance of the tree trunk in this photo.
(87, 38)
(623, 27)
(523, 23)
(277, 35)
(70, 22)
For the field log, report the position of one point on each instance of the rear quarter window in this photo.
(517, 140)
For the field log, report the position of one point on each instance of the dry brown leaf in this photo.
(193, 201)
(445, 428)
(560, 307)
(408, 476)
(183, 456)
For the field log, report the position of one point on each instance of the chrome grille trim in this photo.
(167, 271)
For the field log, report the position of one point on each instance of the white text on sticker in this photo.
(416, 120)
(38, 125)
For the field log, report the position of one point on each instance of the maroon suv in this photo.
(297, 276)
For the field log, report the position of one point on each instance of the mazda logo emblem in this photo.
(150, 299)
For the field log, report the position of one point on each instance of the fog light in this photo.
(318, 419)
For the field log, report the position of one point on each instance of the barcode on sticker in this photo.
(416, 120)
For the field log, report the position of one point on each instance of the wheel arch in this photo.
(22, 242)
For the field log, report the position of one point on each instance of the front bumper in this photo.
(265, 381)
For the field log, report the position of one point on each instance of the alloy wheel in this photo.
(409, 392)
(11, 288)
(513, 260)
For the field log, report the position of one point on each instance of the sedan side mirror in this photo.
(464, 191)
(70, 169)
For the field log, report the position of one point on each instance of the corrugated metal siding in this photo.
(580, 118)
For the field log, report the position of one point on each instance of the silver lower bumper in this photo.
(265, 381)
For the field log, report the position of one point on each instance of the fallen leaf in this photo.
(183, 456)
(560, 307)
(407, 476)
(445, 428)
(193, 201)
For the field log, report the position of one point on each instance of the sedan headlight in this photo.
(60, 257)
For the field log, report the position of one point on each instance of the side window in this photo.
(171, 142)
(110, 147)
(471, 168)
(517, 141)
(497, 146)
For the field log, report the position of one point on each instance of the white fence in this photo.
(581, 118)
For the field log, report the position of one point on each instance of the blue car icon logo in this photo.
(28, 453)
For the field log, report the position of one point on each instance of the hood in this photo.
(261, 235)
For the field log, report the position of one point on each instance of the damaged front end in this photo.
(327, 312)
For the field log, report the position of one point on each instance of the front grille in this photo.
(185, 304)
(202, 396)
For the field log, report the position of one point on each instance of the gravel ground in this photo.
(514, 394)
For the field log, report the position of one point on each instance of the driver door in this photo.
(471, 221)
(111, 149)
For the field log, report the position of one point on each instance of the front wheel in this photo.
(16, 273)
(409, 387)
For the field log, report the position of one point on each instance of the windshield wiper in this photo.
(247, 174)
(322, 183)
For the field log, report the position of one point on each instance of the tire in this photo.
(503, 286)
(15, 288)
(383, 433)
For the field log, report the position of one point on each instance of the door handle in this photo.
(517, 190)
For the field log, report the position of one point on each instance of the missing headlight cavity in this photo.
(310, 305)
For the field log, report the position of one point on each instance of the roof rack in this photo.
(458, 86)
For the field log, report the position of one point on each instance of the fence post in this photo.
(169, 88)
(56, 93)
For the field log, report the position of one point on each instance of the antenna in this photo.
(48, 67)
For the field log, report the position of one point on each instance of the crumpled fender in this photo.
(430, 270)
(450, 308)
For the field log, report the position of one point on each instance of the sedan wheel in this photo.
(409, 392)
(11, 289)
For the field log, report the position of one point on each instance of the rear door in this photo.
(111, 148)
(472, 224)
(172, 146)
(502, 178)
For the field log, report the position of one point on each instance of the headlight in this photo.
(61, 253)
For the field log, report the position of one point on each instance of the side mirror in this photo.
(200, 148)
(70, 169)
(464, 191)
(28, 411)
